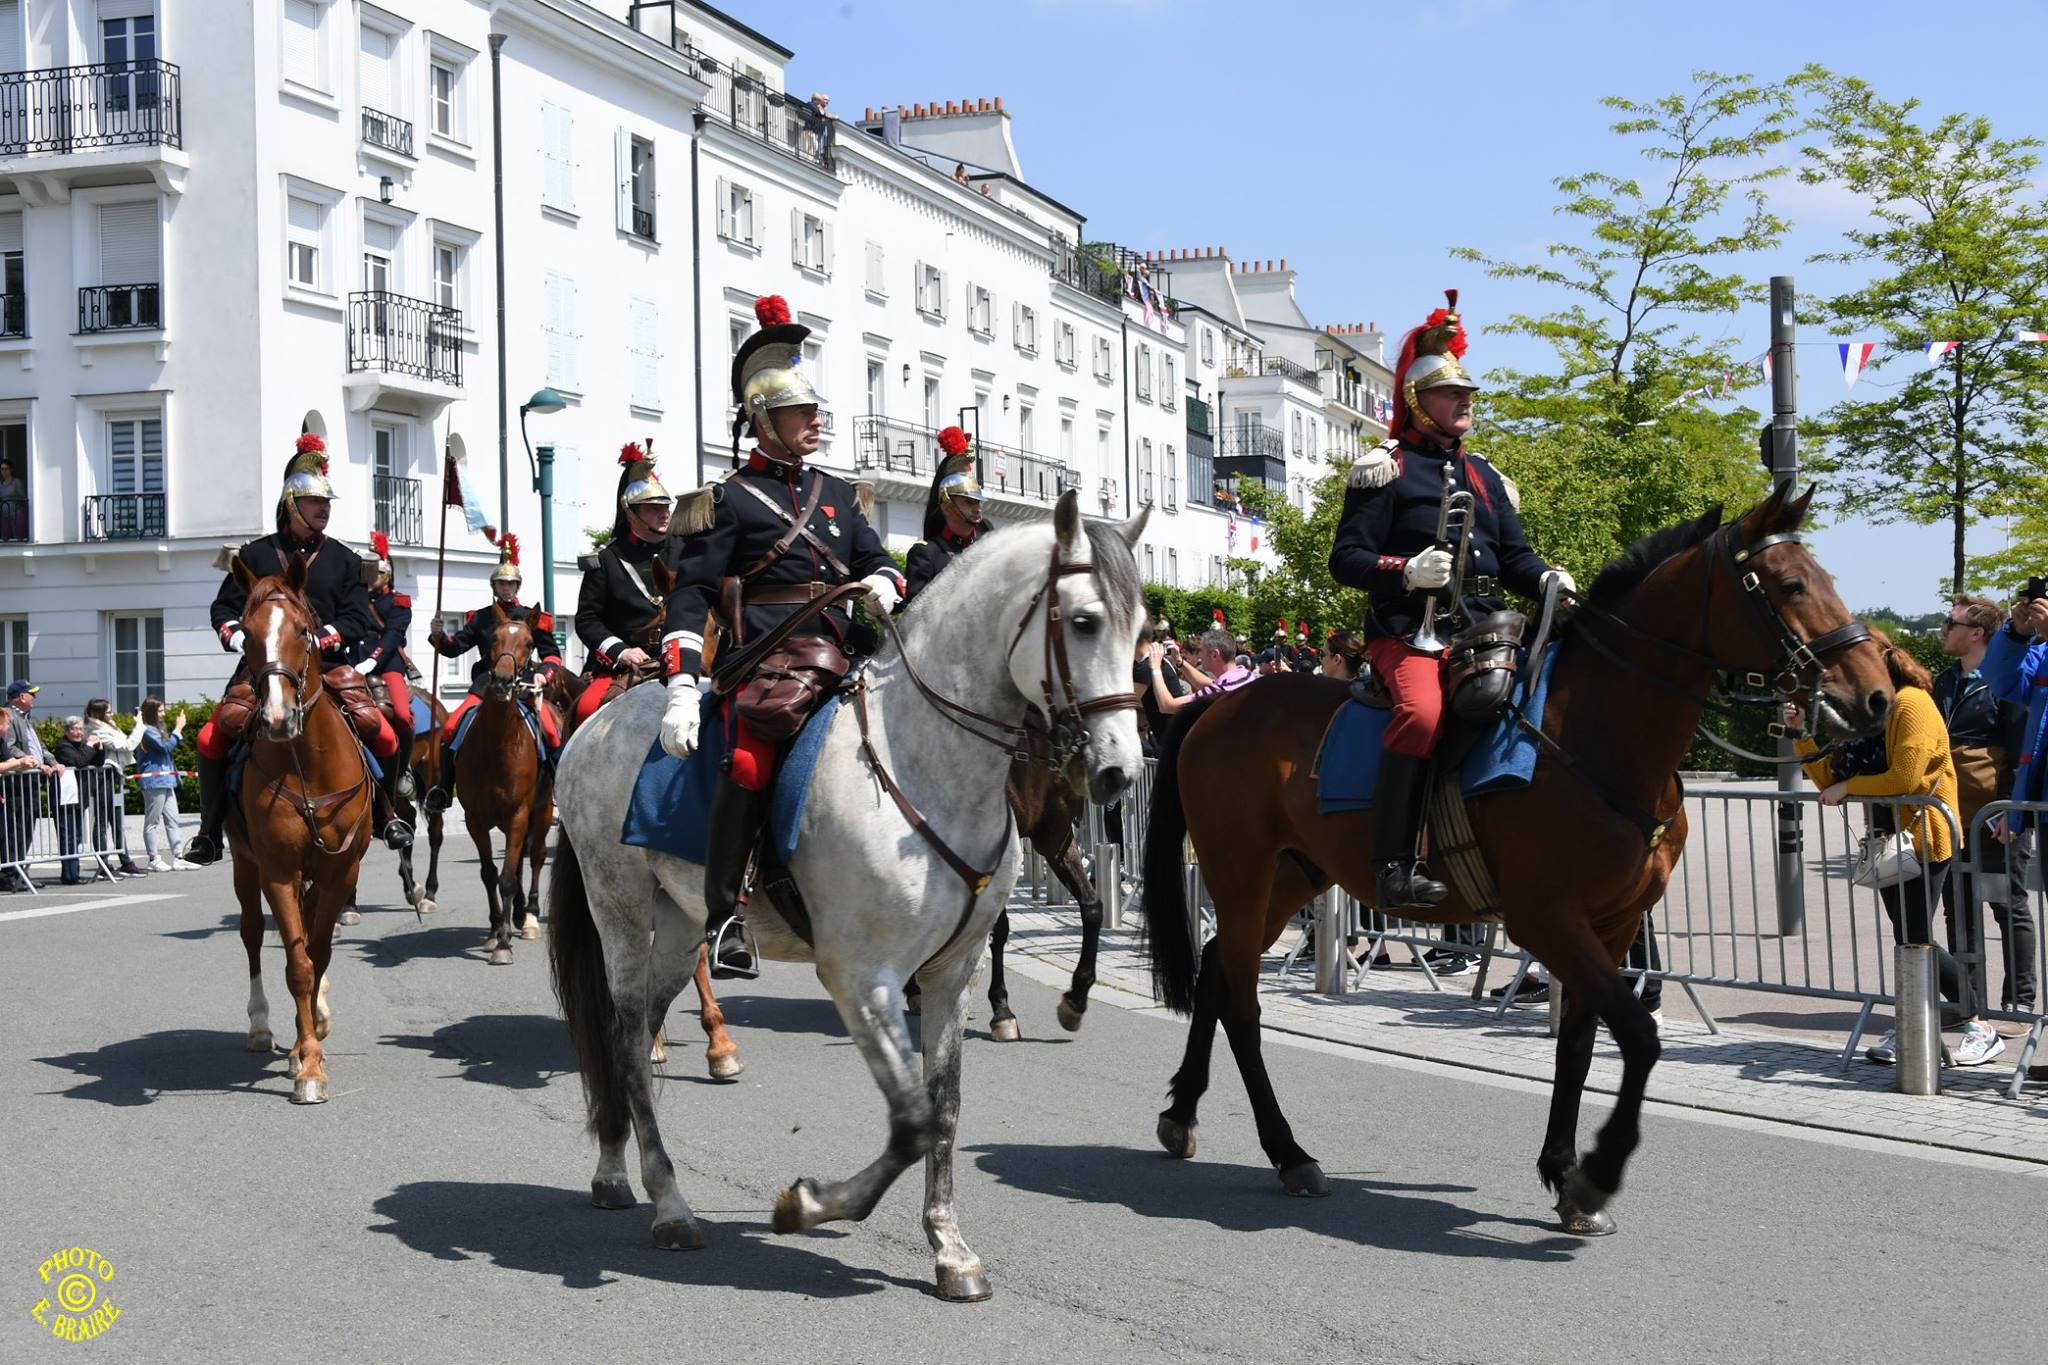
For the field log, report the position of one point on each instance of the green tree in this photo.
(1299, 586)
(1614, 442)
(1957, 240)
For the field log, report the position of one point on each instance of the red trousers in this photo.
(401, 696)
(594, 693)
(212, 744)
(1416, 681)
(547, 721)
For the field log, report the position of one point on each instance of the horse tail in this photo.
(585, 994)
(1168, 938)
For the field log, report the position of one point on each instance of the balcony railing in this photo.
(1260, 442)
(400, 335)
(643, 222)
(791, 126)
(1087, 272)
(902, 448)
(1021, 474)
(14, 521)
(396, 509)
(1198, 416)
(13, 315)
(77, 108)
(124, 516)
(120, 307)
(388, 131)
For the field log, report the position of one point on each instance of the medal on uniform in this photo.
(831, 525)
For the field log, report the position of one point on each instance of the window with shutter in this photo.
(559, 327)
(135, 455)
(305, 227)
(646, 354)
(622, 179)
(724, 201)
(10, 36)
(376, 86)
(128, 243)
(558, 176)
(305, 44)
(878, 282)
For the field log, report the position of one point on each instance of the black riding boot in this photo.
(737, 817)
(397, 833)
(205, 846)
(442, 794)
(1396, 827)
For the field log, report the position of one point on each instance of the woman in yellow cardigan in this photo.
(1916, 763)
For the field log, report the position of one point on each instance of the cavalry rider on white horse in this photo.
(1386, 544)
(788, 533)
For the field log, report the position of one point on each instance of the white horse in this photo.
(885, 905)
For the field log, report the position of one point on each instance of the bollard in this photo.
(1109, 885)
(1917, 1022)
(1333, 971)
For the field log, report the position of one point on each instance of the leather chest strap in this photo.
(799, 526)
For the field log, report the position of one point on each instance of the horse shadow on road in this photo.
(185, 1061)
(780, 1014)
(516, 1051)
(1390, 1215)
(556, 1233)
(401, 946)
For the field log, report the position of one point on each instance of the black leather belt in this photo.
(1480, 585)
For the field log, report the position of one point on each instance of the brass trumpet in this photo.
(1453, 532)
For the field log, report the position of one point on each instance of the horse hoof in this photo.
(426, 906)
(608, 1193)
(1004, 1030)
(349, 917)
(320, 1028)
(259, 1042)
(1071, 1019)
(1177, 1138)
(727, 1068)
(795, 1208)
(1582, 1206)
(309, 1090)
(963, 1286)
(1579, 1223)
(657, 1054)
(684, 1234)
(529, 928)
(1305, 1181)
(501, 956)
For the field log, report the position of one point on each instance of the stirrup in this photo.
(407, 788)
(397, 834)
(438, 800)
(202, 848)
(734, 936)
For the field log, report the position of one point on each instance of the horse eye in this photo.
(1087, 625)
(1792, 587)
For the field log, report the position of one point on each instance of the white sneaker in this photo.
(1886, 1053)
(182, 866)
(1980, 1044)
(159, 865)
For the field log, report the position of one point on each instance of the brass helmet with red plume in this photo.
(768, 370)
(304, 477)
(1430, 358)
(508, 561)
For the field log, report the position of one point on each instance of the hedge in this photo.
(51, 729)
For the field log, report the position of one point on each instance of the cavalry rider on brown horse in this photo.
(620, 606)
(788, 533)
(952, 515)
(475, 633)
(1386, 544)
(334, 589)
(384, 658)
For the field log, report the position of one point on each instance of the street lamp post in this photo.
(543, 466)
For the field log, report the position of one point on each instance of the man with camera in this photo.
(2015, 665)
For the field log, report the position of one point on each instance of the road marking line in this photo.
(72, 907)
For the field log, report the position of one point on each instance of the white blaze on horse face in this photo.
(273, 686)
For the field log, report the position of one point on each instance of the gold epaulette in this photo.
(864, 499)
(695, 511)
(1376, 468)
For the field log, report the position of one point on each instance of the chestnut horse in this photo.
(426, 773)
(506, 786)
(1577, 856)
(302, 816)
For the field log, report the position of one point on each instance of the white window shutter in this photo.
(752, 225)
(825, 230)
(646, 354)
(1016, 324)
(918, 290)
(551, 328)
(128, 243)
(301, 41)
(622, 163)
(724, 209)
(558, 182)
(942, 293)
(569, 334)
(10, 231)
(796, 237)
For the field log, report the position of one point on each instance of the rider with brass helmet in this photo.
(619, 608)
(334, 589)
(789, 533)
(383, 657)
(1387, 544)
(475, 633)
(952, 514)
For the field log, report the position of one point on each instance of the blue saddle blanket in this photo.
(422, 717)
(526, 713)
(1348, 760)
(671, 807)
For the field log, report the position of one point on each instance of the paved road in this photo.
(437, 1208)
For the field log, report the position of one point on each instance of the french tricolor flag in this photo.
(1855, 355)
(2034, 336)
(1937, 349)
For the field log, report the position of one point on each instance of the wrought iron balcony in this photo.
(643, 222)
(397, 510)
(396, 334)
(1252, 441)
(124, 516)
(13, 315)
(791, 126)
(1198, 417)
(1087, 272)
(120, 307)
(912, 452)
(77, 108)
(388, 131)
(14, 521)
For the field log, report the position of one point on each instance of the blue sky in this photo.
(1362, 140)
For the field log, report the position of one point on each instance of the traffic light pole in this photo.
(1785, 474)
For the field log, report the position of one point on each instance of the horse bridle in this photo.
(308, 807)
(277, 668)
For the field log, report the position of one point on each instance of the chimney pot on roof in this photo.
(999, 101)
(1283, 262)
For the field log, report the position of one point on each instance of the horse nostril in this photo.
(1110, 783)
(1878, 703)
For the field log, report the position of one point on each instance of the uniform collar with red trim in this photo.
(761, 462)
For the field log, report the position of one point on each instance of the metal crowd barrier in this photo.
(73, 820)
(2007, 878)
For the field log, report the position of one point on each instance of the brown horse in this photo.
(506, 786)
(1637, 667)
(302, 816)
(426, 774)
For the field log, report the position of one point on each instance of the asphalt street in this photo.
(437, 1209)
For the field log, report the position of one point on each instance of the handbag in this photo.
(1885, 860)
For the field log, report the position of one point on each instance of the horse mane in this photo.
(1618, 582)
(1115, 573)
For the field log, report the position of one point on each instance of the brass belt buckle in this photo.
(818, 590)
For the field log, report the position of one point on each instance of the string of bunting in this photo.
(1853, 356)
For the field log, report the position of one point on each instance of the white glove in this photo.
(1428, 570)
(1564, 580)
(367, 667)
(235, 642)
(679, 723)
(882, 594)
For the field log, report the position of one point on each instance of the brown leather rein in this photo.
(308, 807)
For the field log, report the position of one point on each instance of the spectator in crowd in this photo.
(78, 757)
(156, 772)
(1224, 675)
(13, 503)
(20, 798)
(1917, 763)
(960, 172)
(1151, 721)
(109, 811)
(26, 796)
(819, 124)
(1984, 734)
(1343, 656)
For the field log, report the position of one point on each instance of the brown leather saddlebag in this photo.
(789, 684)
(352, 691)
(1480, 665)
(231, 714)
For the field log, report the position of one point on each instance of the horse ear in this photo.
(244, 575)
(1066, 524)
(498, 611)
(1134, 528)
(1792, 511)
(295, 573)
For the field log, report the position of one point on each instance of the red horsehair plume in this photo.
(953, 441)
(310, 440)
(381, 543)
(630, 452)
(1456, 346)
(511, 544)
(771, 310)
(1218, 614)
